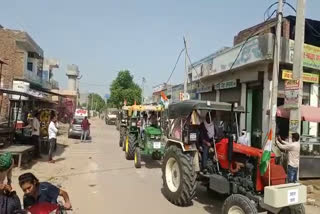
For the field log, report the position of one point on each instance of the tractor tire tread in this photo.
(241, 201)
(186, 191)
(131, 147)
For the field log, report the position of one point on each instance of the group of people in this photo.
(52, 135)
(208, 132)
(35, 192)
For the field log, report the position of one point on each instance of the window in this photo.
(30, 66)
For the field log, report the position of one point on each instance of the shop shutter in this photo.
(230, 95)
(209, 96)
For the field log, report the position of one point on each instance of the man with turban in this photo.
(6, 165)
(9, 201)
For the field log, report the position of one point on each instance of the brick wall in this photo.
(14, 58)
(263, 28)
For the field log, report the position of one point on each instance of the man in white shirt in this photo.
(52, 131)
(293, 149)
(36, 135)
(243, 139)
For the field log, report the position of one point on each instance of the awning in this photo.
(308, 113)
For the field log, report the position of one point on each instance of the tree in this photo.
(124, 88)
(96, 102)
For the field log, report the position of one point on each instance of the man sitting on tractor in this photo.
(153, 119)
(207, 134)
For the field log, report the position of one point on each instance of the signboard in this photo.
(20, 86)
(291, 84)
(307, 77)
(204, 89)
(311, 56)
(256, 49)
(291, 99)
(81, 113)
(159, 88)
(294, 125)
(226, 85)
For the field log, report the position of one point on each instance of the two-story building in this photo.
(24, 69)
(247, 79)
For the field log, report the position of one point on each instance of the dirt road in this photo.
(100, 180)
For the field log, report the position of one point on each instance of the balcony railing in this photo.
(35, 79)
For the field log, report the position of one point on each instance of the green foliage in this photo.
(96, 102)
(124, 88)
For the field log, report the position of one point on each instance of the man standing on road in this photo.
(52, 130)
(85, 125)
(36, 135)
(293, 149)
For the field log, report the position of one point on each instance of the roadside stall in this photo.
(12, 127)
(310, 145)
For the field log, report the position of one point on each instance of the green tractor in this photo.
(123, 123)
(150, 141)
(133, 131)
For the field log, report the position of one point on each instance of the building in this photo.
(247, 80)
(24, 69)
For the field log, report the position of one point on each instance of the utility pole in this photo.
(186, 69)
(275, 73)
(295, 114)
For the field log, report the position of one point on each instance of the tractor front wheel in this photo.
(137, 158)
(130, 145)
(122, 137)
(179, 177)
(238, 204)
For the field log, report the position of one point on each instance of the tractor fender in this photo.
(194, 152)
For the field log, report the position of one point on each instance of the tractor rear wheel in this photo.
(238, 204)
(296, 209)
(137, 158)
(125, 139)
(130, 145)
(179, 177)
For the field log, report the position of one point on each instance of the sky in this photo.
(144, 36)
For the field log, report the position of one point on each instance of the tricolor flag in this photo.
(265, 159)
(163, 96)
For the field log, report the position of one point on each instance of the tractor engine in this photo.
(242, 180)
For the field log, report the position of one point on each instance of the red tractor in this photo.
(231, 168)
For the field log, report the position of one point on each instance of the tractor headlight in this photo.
(152, 136)
(157, 137)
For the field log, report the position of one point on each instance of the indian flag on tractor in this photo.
(265, 160)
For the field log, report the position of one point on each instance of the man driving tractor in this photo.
(207, 135)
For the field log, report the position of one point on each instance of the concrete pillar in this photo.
(243, 104)
(218, 95)
(267, 84)
(314, 94)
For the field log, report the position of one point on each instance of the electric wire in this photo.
(175, 65)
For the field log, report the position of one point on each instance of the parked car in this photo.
(75, 129)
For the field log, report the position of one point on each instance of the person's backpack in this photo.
(9, 204)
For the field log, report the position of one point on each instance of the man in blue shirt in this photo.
(37, 192)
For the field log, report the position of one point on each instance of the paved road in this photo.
(100, 180)
(113, 185)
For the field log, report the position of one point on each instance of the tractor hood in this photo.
(153, 131)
